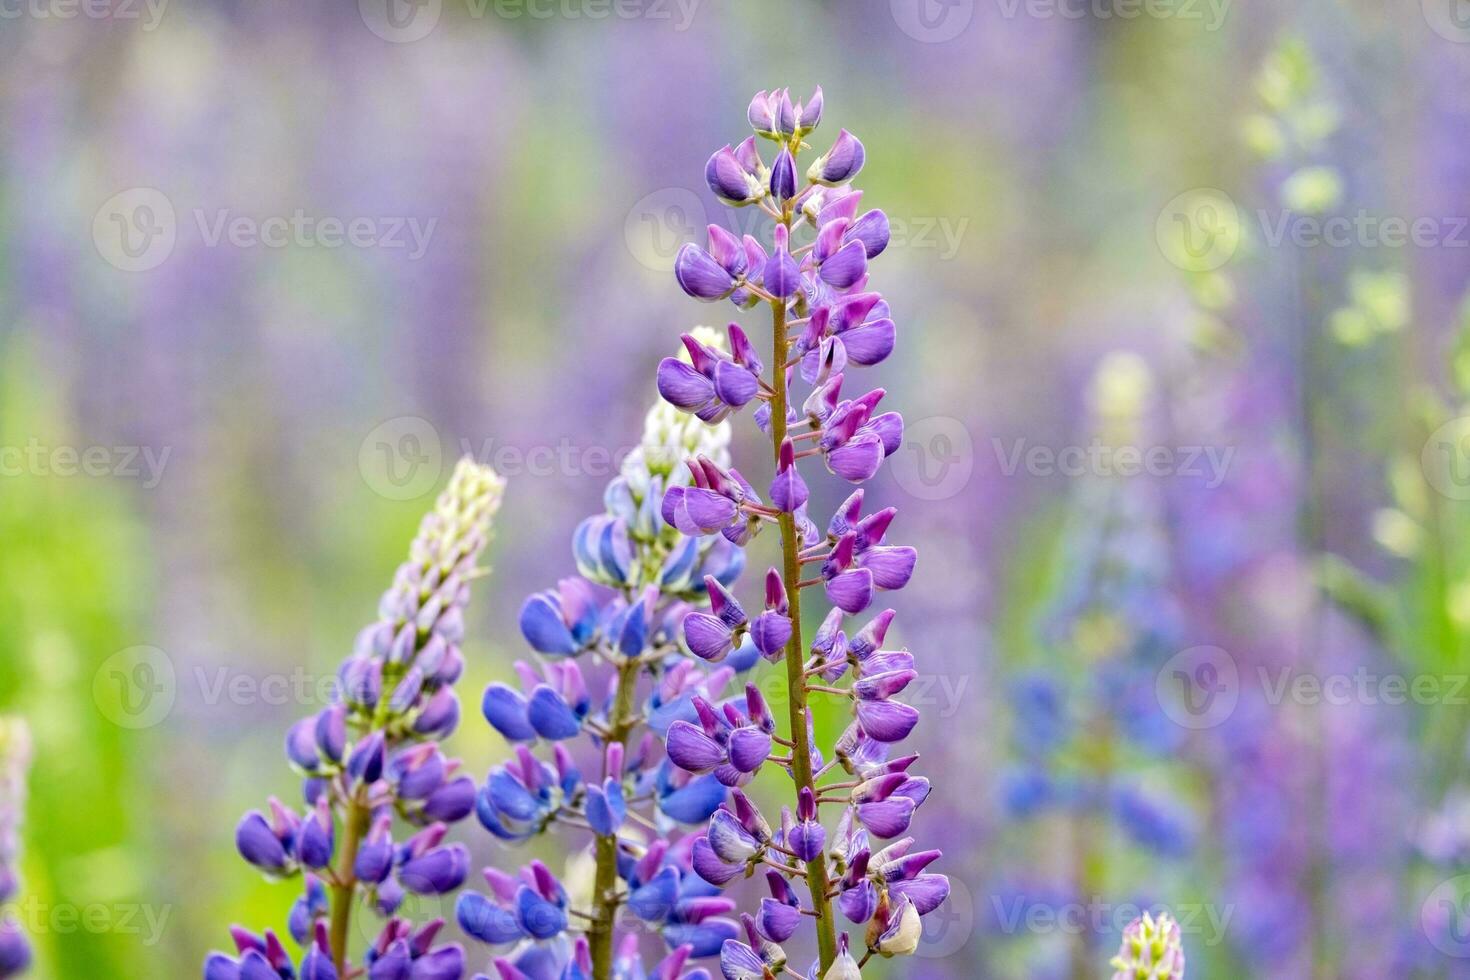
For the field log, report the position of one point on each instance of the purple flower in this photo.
(269, 843)
(730, 179)
(783, 177)
(772, 114)
(560, 621)
(781, 277)
(701, 275)
(402, 952)
(788, 490)
(839, 164)
(772, 628)
(259, 958)
(711, 383)
(711, 635)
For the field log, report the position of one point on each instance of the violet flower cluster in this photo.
(372, 765)
(15, 754)
(586, 720)
(825, 325)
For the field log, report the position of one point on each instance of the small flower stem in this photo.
(605, 881)
(801, 755)
(356, 820)
(344, 889)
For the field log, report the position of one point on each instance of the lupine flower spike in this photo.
(826, 326)
(15, 753)
(642, 643)
(1151, 950)
(373, 768)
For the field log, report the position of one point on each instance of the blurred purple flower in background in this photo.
(15, 752)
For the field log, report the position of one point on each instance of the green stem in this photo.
(345, 888)
(801, 754)
(605, 881)
(356, 821)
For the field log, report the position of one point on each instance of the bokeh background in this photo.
(1180, 289)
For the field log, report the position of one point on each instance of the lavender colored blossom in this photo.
(371, 761)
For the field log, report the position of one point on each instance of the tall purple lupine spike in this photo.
(662, 556)
(372, 758)
(826, 322)
(15, 754)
